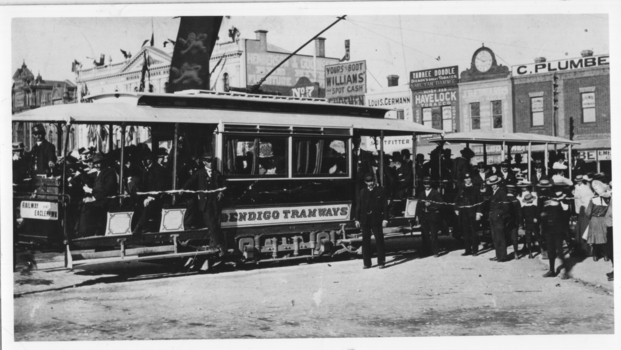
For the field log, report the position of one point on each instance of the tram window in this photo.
(319, 157)
(249, 156)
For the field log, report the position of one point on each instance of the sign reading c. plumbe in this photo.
(243, 217)
(560, 66)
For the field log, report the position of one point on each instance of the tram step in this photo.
(80, 264)
(85, 255)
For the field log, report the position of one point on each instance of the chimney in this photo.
(540, 59)
(393, 80)
(320, 47)
(586, 53)
(262, 37)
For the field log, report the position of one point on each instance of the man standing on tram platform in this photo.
(42, 156)
(153, 179)
(372, 217)
(498, 214)
(209, 203)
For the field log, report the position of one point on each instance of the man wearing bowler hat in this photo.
(499, 212)
(515, 218)
(462, 166)
(96, 202)
(428, 214)
(508, 178)
(209, 203)
(552, 226)
(538, 175)
(42, 156)
(372, 217)
(153, 179)
(468, 210)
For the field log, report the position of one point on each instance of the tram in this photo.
(287, 163)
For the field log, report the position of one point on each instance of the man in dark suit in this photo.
(210, 204)
(578, 164)
(362, 165)
(42, 156)
(515, 219)
(507, 176)
(428, 213)
(153, 178)
(538, 175)
(372, 216)
(498, 214)
(468, 210)
(96, 202)
(552, 226)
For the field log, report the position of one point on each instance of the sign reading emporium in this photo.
(561, 65)
(433, 78)
(285, 215)
(346, 83)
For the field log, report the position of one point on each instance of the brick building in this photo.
(583, 86)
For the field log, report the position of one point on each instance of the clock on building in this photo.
(484, 66)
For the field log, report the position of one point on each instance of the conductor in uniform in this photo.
(42, 156)
(468, 210)
(372, 216)
(499, 209)
(428, 213)
(210, 203)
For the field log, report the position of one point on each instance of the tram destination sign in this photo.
(285, 215)
(433, 78)
(560, 65)
(39, 210)
(346, 83)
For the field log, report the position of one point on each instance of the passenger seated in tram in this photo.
(153, 179)
(96, 202)
(20, 167)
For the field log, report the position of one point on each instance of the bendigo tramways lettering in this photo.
(282, 215)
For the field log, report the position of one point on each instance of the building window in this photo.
(475, 115)
(588, 107)
(497, 114)
(536, 111)
(447, 118)
(427, 118)
(225, 81)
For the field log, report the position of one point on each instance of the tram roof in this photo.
(499, 138)
(140, 110)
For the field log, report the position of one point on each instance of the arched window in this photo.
(225, 81)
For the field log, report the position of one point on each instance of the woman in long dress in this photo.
(596, 211)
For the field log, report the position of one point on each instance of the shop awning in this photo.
(500, 138)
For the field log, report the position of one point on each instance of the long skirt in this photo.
(581, 225)
(597, 230)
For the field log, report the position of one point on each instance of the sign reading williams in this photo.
(561, 65)
(431, 78)
(285, 215)
(346, 82)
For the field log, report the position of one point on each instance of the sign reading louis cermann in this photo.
(39, 210)
(346, 83)
(285, 215)
(433, 78)
(561, 65)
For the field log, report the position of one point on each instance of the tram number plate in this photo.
(39, 210)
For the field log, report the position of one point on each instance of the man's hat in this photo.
(511, 187)
(396, 156)
(447, 151)
(467, 152)
(600, 177)
(81, 150)
(18, 146)
(528, 198)
(578, 178)
(38, 129)
(481, 165)
(493, 180)
(538, 164)
(161, 152)
(544, 183)
(420, 156)
(369, 178)
(504, 164)
(405, 152)
(426, 180)
(467, 176)
(560, 185)
(98, 158)
(146, 154)
(559, 166)
(524, 183)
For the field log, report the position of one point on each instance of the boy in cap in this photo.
(372, 217)
(428, 214)
(42, 156)
(468, 210)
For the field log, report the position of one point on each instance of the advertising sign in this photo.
(258, 64)
(588, 155)
(285, 215)
(604, 155)
(392, 99)
(433, 78)
(39, 210)
(346, 83)
(560, 65)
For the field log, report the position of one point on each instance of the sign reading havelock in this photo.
(433, 78)
(560, 65)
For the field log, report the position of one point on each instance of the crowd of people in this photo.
(91, 179)
(548, 207)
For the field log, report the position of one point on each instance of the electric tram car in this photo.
(289, 185)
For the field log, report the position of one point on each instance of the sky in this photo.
(391, 44)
